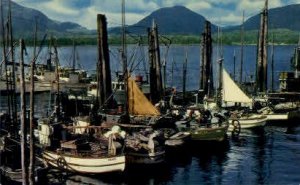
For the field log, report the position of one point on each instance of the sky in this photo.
(84, 12)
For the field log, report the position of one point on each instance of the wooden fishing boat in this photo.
(78, 152)
(144, 147)
(202, 125)
(204, 133)
(84, 162)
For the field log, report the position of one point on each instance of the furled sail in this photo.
(138, 104)
(232, 92)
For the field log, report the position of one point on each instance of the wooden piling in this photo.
(262, 63)
(206, 79)
(23, 115)
(152, 71)
(103, 58)
(157, 61)
(156, 87)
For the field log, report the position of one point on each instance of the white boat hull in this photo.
(277, 117)
(250, 123)
(91, 165)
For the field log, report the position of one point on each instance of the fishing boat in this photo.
(248, 121)
(273, 114)
(203, 125)
(73, 149)
(177, 139)
(232, 94)
(144, 145)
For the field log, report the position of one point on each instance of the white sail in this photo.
(232, 92)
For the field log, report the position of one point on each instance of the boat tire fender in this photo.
(61, 163)
(236, 128)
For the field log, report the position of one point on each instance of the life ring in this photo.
(236, 128)
(61, 163)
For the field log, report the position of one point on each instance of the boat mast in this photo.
(124, 58)
(5, 60)
(272, 64)
(242, 49)
(57, 78)
(184, 74)
(74, 56)
(31, 142)
(234, 61)
(13, 76)
(220, 63)
(23, 115)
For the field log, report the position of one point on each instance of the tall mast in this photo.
(74, 56)
(234, 61)
(57, 78)
(31, 142)
(242, 48)
(23, 115)
(184, 74)
(124, 58)
(13, 76)
(272, 64)
(5, 58)
(172, 73)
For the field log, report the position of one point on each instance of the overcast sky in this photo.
(220, 12)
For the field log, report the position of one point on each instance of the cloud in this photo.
(198, 6)
(84, 12)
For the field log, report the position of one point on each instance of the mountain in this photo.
(171, 20)
(279, 18)
(23, 20)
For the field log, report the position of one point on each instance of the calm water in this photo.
(265, 156)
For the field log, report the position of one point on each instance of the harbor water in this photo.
(269, 155)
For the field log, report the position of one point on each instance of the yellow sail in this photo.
(138, 104)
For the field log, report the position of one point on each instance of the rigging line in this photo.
(131, 59)
(7, 54)
(40, 48)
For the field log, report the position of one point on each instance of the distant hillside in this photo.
(24, 22)
(172, 20)
(286, 17)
